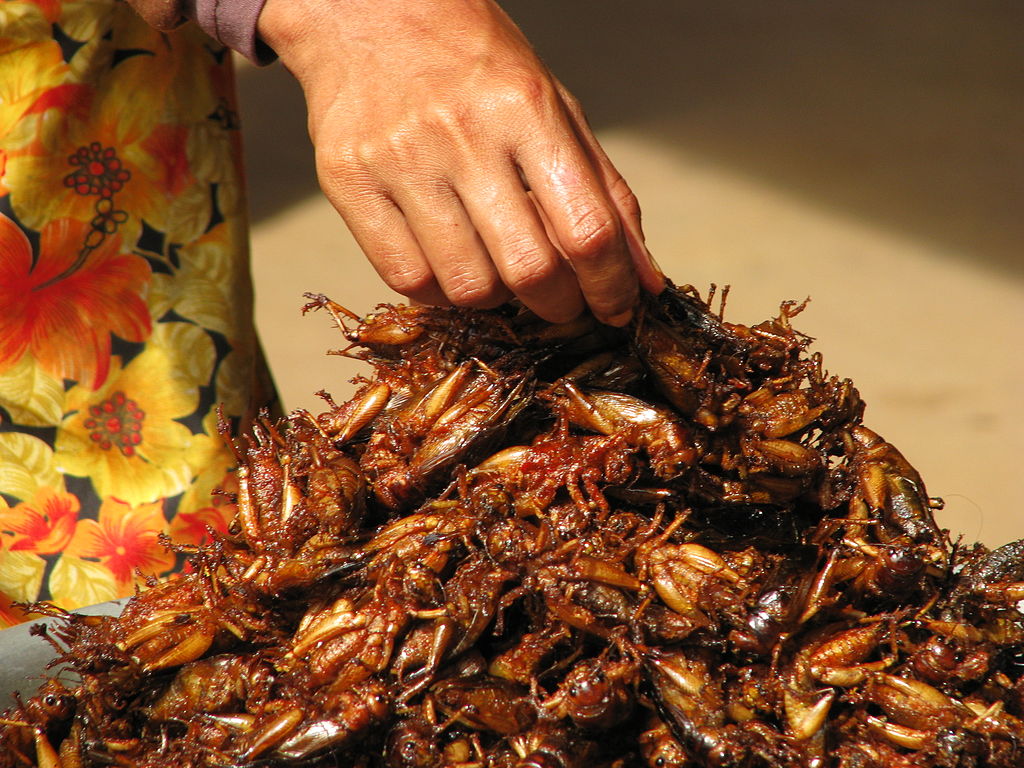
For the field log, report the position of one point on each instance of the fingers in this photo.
(484, 239)
(652, 279)
(381, 230)
(437, 249)
(586, 225)
(451, 245)
(513, 231)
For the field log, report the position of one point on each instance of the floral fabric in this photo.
(125, 298)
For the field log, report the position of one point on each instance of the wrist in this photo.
(272, 24)
(285, 24)
(300, 30)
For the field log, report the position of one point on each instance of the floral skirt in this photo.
(125, 299)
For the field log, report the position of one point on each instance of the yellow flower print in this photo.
(207, 501)
(33, 81)
(124, 436)
(214, 152)
(170, 67)
(102, 164)
(213, 460)
(211, 285)
(104, 173)
(25, 16)
(108, 556)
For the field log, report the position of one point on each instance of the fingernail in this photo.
(640, 254)
(637, 243)
(620, 320)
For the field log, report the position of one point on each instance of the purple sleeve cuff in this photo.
(233, 22)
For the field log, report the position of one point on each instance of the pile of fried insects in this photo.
(526, 545)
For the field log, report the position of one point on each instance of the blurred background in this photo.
(869, 155)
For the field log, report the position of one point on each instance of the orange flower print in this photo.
(194, 527)
(9, 615)
(207, 503)
(43, 525)
(63, 309)
(124, 540)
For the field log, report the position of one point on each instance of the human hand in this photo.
(465, 170)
